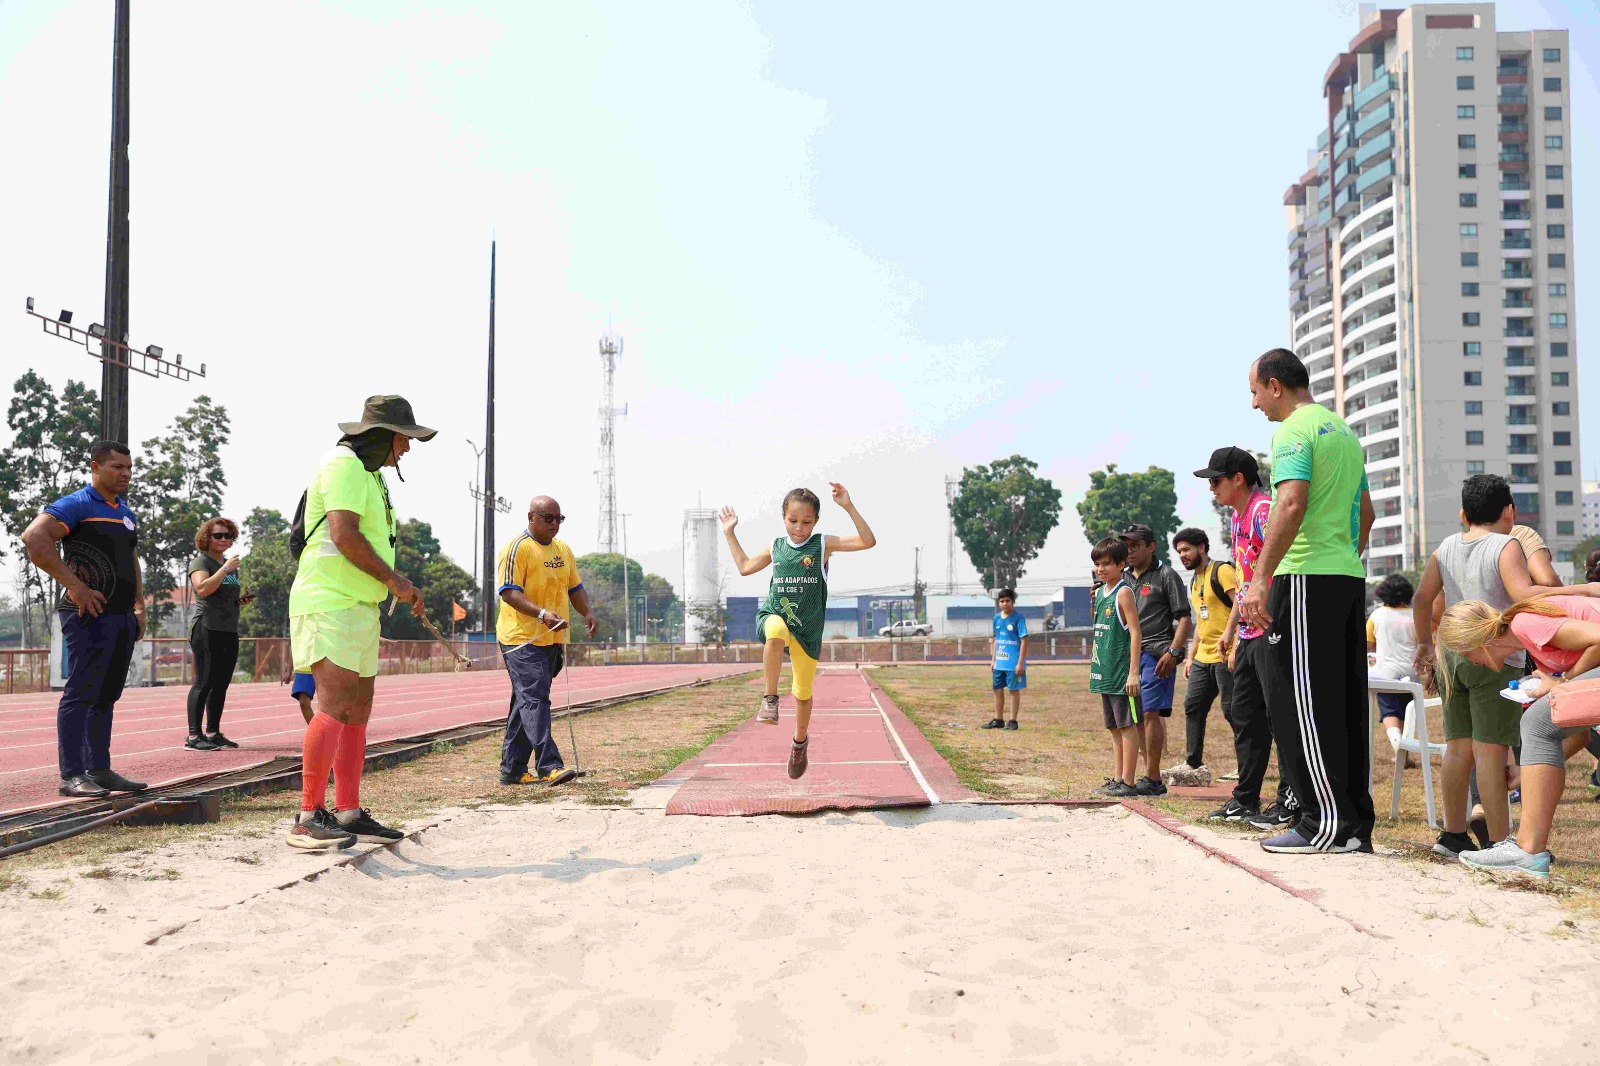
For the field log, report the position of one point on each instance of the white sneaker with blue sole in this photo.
(1507, 857)
(1291, 842)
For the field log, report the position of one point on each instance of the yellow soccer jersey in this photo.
(547, 574)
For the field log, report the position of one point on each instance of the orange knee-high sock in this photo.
(322, 740)
(348, 760)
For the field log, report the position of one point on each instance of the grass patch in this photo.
(619, 747)
(99, 873)
(54, 892)
(10, 881)
(1062, 751)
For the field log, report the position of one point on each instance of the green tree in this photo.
(177, 485)
(441, 581)
(1003, 513)
(657, 612)
(48, 458)
(267, 573)
(1116, 500)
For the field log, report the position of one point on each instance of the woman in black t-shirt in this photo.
(215, 637)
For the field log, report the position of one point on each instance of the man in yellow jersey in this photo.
(538, 578)
(1211, 593)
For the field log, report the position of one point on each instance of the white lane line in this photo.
(916, 771)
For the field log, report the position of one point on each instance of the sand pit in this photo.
(567, 934)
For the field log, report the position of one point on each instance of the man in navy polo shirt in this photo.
(102, 613)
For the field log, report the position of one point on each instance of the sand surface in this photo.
(567, 934)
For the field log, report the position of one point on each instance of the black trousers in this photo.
(1206, 682)
(1252, 728)
(215, 655)
(1314, 668)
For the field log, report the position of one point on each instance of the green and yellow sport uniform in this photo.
(333, 605)
(1111, 661)
(796, 606)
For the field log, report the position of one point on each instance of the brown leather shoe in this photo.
(768, 714)
(797, 758)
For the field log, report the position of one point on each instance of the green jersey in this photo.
(1108, 668)
(799, 592)
(1315, 445)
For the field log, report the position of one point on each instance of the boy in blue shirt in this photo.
(1010, 664)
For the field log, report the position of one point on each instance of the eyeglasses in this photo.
(553, 519)
(222, 535)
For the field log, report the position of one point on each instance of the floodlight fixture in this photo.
(65, 318)
(98, 342)
(30, 303)
(97, 330)
(154, 351)
(179, 358)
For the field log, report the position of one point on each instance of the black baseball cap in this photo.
(1228, 461)
(1139, 531)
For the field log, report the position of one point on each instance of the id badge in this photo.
(1205, 612)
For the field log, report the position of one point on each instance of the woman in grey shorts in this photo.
(1562, 635)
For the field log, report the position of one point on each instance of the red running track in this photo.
(864, 753)
(151, 723)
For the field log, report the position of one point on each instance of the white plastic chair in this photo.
(1413, 739)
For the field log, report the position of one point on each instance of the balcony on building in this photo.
(1513, 100)
(1516, 210)
(1516, 328)
(1523, 444)
(1518, 298)
(1520, 356)
(1517, 270)
(1386, 481)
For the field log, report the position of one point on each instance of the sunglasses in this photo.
(553, 519)
(223, 536)
(1215, 481)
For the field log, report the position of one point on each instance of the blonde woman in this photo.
(1562, 635)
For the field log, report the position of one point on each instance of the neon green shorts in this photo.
(347, 638)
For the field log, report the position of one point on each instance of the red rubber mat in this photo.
(864, 754)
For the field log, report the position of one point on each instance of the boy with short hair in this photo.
(1010, 660)
(1114, 666)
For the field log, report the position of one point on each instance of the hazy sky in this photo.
(869, 243)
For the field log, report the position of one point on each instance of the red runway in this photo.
(150, 724)
(864, 753)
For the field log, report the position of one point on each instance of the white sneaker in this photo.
(1186, 776)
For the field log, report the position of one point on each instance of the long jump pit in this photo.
(939, 929)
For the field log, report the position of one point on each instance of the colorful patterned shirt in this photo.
(1249, 537)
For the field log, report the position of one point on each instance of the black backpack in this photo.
(1216, 584)
(299, 534)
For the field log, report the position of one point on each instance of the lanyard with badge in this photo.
(1204, 576)
(388, 508)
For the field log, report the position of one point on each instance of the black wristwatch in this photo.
(1178, 653)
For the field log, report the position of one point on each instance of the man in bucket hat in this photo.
(346, 571)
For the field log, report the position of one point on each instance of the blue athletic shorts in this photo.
(1155, 694)
(1010, 680)
(304, 685)
(1393, 705)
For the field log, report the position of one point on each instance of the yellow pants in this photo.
(803, 665)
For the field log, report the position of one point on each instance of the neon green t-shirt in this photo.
(1315, 445)
(326, 580)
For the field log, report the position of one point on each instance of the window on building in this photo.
(1466, 140)
(1556, 231)
(1524, 471)
(1474, 466)
(1466, 111)
(1471, 347)
(1564, 529)
(1552, 55)
(1563, 468)
(1472, 377)
(1558, 349)
(1468, 199)
(1474, 436)
(1469, 259)
(1469, 318)
(1558, 320)
(1469, 229)
(1563, 499)
(1467, 170)
(1464, 81)
(1552, 114)
(1558, 288)
(1560, 377)
(1561, 407)
(1464, 52)
(1474, 407)
(1554, 172)
(1556, 260)
(1552, 85)
(1469, 288)
(1554, 202)
(1552, 140)
(1526, 502)
(1561, 438)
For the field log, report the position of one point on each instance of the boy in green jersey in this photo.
(1114, 666)
(793, 613)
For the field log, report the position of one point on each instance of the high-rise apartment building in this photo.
(1430, 271)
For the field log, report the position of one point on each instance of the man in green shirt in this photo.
(1315, 667)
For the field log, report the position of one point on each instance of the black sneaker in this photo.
(200, 742)
(220, 741)
(319, 833)
(1149, 787)
(995, 723)
(1012, 725)
(1232, 811)
(1451, 845)
(365, 828)
(1105, 787)
(1121, 790)
(1274, 817)
(115, 782)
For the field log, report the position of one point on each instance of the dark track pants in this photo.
(98, 653)
(1206, 682)
(1252, 727)
(532, 669)
(1314, 668)
(216, 653)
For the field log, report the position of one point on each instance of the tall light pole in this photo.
(487, 492)
(113, 376)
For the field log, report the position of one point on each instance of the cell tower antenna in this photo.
(610, 351)
(950, 556)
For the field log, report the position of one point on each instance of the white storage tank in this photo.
(702, 585)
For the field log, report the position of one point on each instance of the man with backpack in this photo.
(1211, 592)
(344, 535)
